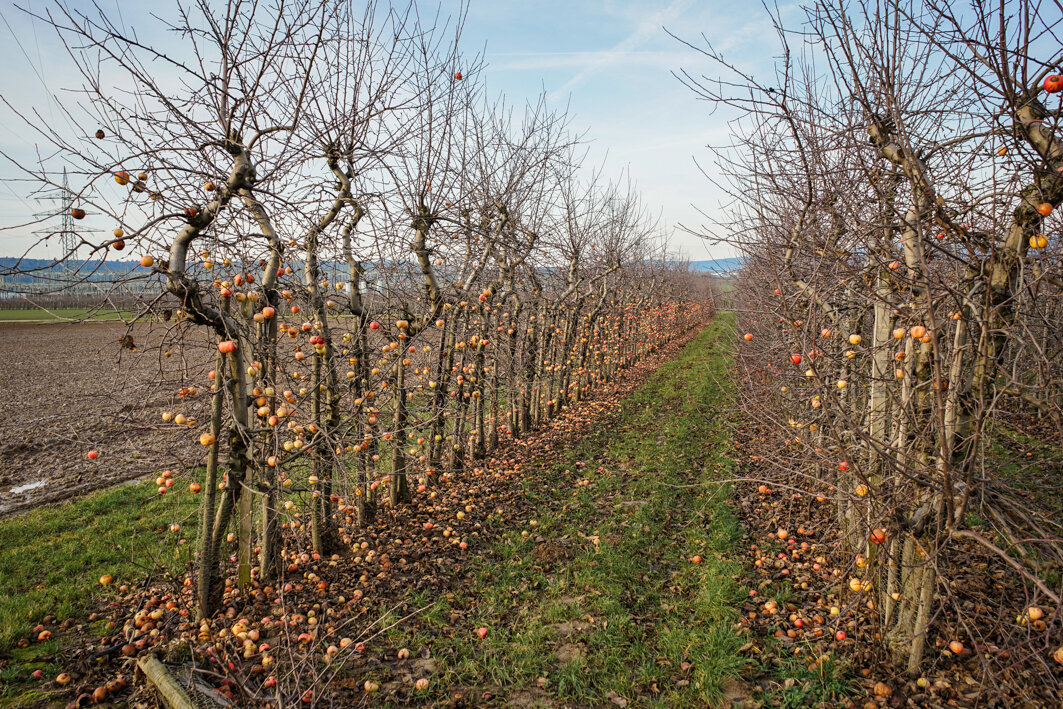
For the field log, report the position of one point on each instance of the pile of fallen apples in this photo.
(99, 695)
(87, 694)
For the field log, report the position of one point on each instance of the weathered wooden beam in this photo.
(172, 694)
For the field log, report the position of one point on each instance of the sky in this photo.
(611, 62)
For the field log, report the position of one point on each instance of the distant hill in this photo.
(719, 266)
(39, 276)
(47, 274)
(10, 264)
(43, 275)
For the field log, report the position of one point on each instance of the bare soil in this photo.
(68, 388)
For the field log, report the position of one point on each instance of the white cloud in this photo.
(648, 28)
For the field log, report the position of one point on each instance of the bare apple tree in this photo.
(892, 191)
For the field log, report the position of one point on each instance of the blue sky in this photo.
(610, 61)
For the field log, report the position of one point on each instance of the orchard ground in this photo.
(611, 573)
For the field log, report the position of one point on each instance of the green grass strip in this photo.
(628, 616)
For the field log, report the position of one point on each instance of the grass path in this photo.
(51, 558)
(598, 600)
(50, 562)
